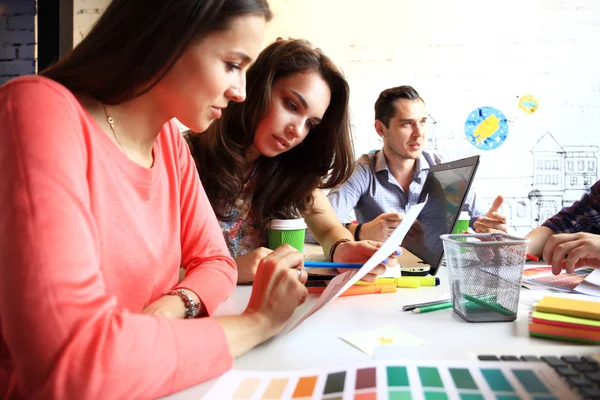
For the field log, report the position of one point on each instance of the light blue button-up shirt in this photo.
(373, 190)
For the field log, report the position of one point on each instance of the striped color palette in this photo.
(407, 380)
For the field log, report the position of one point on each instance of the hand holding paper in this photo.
(343, 281)
(358, 252)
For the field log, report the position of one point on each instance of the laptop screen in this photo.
(447, 186)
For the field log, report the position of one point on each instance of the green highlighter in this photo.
(489, 305)
(473, 303)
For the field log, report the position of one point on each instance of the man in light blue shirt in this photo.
(387, 182)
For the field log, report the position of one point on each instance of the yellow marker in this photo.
(487, 128)
(406, 281)
(423, 280)
(412, 281)
(402, 283)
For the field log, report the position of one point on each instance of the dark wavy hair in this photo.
(284, 183)
(385, 106)
(134, 43)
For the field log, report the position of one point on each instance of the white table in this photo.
(315, 343)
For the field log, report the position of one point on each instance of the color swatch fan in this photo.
(398, 380)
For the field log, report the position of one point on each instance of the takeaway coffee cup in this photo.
(462, 225)
(290, 231)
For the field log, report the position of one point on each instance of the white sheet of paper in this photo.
(591, 284)
(388, 335)
(340, 283)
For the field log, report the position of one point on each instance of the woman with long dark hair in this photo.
(101, 205)
(270, 156)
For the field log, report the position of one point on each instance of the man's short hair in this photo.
(385, 107)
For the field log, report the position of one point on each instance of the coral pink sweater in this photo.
(87, 239)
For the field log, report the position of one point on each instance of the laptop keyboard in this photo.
(582, 373)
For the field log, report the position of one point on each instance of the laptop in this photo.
(447, 186)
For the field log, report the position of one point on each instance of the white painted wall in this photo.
(465, 54)
(461, 55)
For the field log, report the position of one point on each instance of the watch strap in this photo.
(357, 232)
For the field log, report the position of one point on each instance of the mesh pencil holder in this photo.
(484, 273)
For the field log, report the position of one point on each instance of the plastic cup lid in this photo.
(287, 224)
(464, 215)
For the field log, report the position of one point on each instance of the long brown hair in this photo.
(284, 183)
(135, 43)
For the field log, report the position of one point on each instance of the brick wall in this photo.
(17, 38)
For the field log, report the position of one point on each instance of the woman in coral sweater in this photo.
(101, 205)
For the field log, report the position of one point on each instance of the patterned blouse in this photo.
(241, 233)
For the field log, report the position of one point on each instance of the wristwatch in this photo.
(191, 307)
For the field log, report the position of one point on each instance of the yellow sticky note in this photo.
(571, 307)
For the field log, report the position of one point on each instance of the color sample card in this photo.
(541, 277)
(395, 380)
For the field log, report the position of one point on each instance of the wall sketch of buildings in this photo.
(561, 175)
(437, 142)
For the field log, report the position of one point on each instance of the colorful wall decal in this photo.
(528, 103)
(486, 128)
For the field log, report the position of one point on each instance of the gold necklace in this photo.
(111, 122)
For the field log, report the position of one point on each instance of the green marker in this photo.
(443, 304)
(435, 307)
(489, 305)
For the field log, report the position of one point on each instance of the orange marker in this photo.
(358, 290)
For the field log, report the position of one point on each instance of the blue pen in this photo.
(325, 264)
